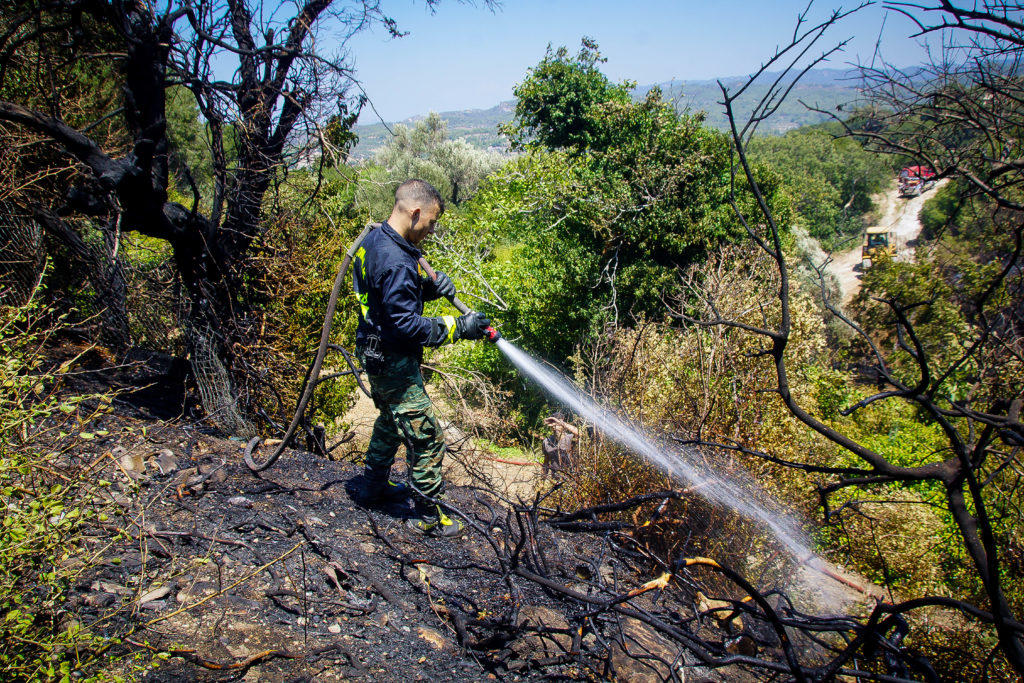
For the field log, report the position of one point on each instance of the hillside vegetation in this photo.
(170, 240)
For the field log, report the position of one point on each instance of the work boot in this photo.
(380, 488)
(430, 520)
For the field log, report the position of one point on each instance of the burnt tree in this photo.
(961, 114)
(257, 74)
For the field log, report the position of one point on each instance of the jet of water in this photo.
(680, 463)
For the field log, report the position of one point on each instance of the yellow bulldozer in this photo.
(877, 243)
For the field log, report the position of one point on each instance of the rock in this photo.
(133, 465)
(154, 594)
(131, 562)
(643, 641)
(334, 628)
(240, 501)
(108, 587)
(538, 645)
(240, 603)
(120, 499)
(183, 476)
(434, 638)
(165, 461)
(743, 645)
(439, 580)
(722, 611)
(196, 591)
(238, 651)
(99, 599)
(692, 670)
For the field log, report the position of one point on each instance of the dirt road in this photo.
(901, 217)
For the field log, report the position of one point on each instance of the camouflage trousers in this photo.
(406, 417)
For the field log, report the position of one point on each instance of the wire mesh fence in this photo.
(214, 382)
(22, 256)
(124, 290)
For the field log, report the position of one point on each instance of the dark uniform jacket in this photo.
(391, 293)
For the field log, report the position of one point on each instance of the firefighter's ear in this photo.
(414, 216)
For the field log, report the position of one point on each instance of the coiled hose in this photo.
(313, 378)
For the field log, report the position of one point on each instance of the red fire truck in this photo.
(914, 180)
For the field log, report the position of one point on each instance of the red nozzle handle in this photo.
(492, 334)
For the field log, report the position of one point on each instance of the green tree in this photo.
(646, 193)
(829, 181)
(591, 224)
(423, 151)
(557, 103)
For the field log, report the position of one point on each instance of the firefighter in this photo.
(389, 341)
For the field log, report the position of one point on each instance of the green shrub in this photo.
(939, 210)
(43, 511)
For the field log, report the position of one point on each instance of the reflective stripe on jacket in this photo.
(391, 293)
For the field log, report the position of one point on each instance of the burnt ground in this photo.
(288, 575)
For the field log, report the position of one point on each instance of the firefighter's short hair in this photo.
(419, 192)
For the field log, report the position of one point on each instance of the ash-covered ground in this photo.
(219, 573)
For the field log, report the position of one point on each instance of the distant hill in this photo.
(478, 127)
(825, 88)
(822, 88)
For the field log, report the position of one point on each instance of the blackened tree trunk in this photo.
(280, 81)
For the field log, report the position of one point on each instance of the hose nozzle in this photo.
(490, 334)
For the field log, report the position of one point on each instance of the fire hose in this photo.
(313, 378)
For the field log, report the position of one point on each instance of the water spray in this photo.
(679, 463)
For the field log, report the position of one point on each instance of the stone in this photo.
(643, 641)
(99, 599)
(120, 499)
(165, 461)
(433, 638)
(241, 603)
(721, 610)
(132, 562)
(196, 591)
(154, 594)
(537, 645)
(133, 465)
(219, 476)
(334, 628)
(742, 645)
(240, 501)
(108, 587)
(238, 651)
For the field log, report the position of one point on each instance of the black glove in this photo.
(442, 287)
(473, 325)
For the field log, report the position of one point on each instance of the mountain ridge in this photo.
(823, 88)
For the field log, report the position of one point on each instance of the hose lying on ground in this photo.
(314, 369)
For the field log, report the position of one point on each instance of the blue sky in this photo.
(463, 56)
